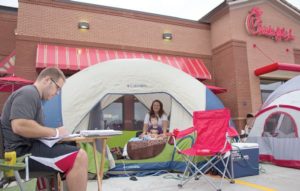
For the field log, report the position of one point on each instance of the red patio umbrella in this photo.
(12, 83)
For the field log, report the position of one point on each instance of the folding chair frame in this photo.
(21, 164)
(192, 171)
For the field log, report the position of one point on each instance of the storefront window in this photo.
(267, 87)
(127, 109)
(139, 114)
(113, 115)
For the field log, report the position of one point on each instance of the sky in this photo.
(185, 9)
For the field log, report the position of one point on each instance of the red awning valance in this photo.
(278, 71)
(216, 90)
(71, 58)
(8, 63)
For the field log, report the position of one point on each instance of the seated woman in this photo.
(158, 111)
(154, 130)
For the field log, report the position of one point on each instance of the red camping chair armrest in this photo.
(176, 134)
(179, 134)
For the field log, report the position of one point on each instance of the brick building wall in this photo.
(8, 23)
(223, 44)
(231, 71)
(56, 23)
(297, 56)
(241, 59)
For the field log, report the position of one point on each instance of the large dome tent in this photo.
(89, 91)
(109, 80)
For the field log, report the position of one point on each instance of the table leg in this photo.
(102, 160)
(97, 166)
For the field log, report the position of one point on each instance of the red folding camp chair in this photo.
(211, 128)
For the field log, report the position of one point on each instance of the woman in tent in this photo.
(158, 110)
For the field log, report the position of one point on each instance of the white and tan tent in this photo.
(87, 92)
(146, 79)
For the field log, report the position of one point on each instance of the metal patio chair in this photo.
(21, 172)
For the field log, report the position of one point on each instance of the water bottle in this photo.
(10, 159)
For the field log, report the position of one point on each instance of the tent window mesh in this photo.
(279, 125)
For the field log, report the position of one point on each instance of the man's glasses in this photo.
(57, 86)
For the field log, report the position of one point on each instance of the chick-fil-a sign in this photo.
(254, 26)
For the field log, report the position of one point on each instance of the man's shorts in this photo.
(59, 158)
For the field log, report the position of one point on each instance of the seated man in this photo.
(22, 122)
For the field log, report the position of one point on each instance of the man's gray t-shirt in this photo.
(24, 103)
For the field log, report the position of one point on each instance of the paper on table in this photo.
(86, 133)
(50, 141)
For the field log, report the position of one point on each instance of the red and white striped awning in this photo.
(8, 63)
(74, 59)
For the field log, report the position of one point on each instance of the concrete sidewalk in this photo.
(271, 178)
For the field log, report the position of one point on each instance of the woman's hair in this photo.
(161, 110)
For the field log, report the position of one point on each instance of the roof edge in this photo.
(290, 5)
(8, 9)
(223, 7)
(227, 4)
(101, 9)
